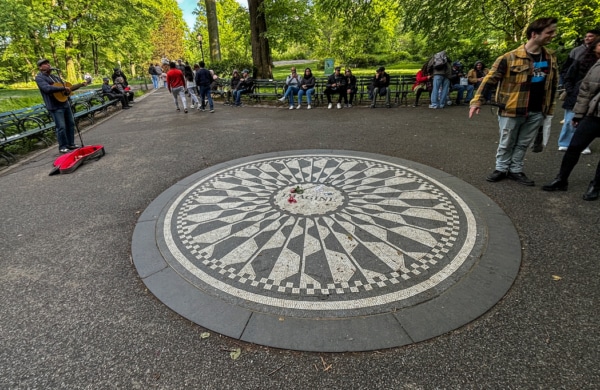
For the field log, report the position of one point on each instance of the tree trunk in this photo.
(213, 30)
(69, 62)
(261, 52)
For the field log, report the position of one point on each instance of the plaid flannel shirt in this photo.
(511, 74)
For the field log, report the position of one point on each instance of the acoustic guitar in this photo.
(63, 96)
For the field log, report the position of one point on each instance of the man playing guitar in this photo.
(51, 87)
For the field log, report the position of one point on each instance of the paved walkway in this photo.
(76, 314)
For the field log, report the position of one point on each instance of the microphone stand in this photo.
(70, 106)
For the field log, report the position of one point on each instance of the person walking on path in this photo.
(203, 80)
(64, 123)
(526, 79)
(154, 75)
(587, 127)
(176, 85)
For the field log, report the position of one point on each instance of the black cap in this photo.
(42, 61)
(381, 69)
(338, 68)
(105, 79)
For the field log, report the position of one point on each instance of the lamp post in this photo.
(199, 38)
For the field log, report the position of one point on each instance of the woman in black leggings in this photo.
(587, 127)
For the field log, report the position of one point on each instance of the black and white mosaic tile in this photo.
(344, 243)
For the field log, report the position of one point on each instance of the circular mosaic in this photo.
(326, 251)
(315, 234)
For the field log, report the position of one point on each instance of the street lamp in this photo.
(199, 38)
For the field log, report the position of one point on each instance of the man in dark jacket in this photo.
(380, 83)
(203, 81)
(336, 83)
(64, 123)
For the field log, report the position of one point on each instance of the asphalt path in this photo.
(74, 313)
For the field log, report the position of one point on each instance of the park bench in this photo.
(27, 125)
(34, 124)
(266, 89)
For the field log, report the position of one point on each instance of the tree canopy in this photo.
(96, 35)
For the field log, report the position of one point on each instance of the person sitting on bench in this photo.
(336, 83)
(244, 86)
(113, 93)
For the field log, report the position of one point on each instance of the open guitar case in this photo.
(69, 162)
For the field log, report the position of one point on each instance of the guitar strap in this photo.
(55, 79)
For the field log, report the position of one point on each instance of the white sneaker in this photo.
(339, 106)
(350, 105)
(297, 108)
(282, 99)
(308, 107)
(586, 151)
(291, 107)
(329, 106)
(562, 148)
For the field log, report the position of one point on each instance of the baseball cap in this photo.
(245, 71)
(42, 61)
(104, 78)
(381, 69)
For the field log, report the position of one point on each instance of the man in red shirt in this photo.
(176, 85)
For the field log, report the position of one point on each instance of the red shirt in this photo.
(175, 78)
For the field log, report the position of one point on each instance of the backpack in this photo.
(440, 60)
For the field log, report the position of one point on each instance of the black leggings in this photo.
(587, 130)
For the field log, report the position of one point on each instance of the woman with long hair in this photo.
(190, 84)
(307, 86)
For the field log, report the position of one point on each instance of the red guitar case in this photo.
(69, 162)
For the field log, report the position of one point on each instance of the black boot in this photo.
(557, 184)
(593, 191)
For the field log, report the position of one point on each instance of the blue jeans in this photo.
(308, 93)
(205, 94)
(237, 96)
(64, 125)
(290, 92)
(566, 134)
(439, 95)
(516, 134)
(461, 92)
(155, 81)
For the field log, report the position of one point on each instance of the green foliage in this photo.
(224, 69)
(96, 35)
